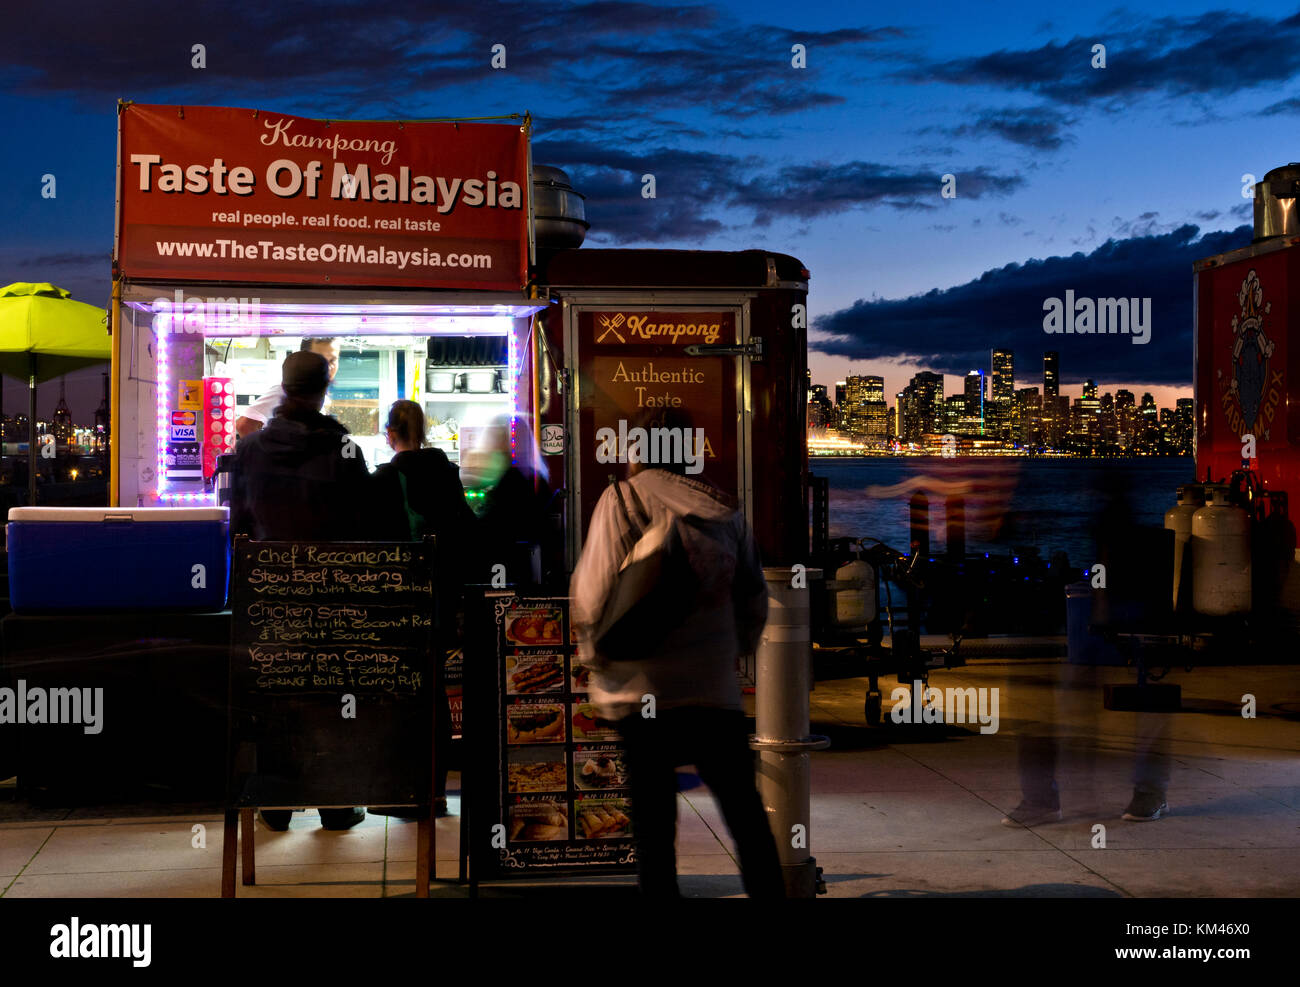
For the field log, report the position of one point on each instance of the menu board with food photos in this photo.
(557, 800)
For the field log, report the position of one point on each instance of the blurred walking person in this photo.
(668, 680)
(515, 515)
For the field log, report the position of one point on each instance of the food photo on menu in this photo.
(599, 766)
(603, 817)
(537, 820)
(526, 674)
(535, 722)
(535, 769)
(579, 677)
(530, 627)
(586, 726)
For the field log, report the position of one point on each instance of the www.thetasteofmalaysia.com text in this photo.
(326, 253)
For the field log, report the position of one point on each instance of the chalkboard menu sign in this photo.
(332, 677)
(552, 792)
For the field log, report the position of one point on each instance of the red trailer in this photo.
(1247, 379)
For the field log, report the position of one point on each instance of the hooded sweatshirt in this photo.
(696, 664)
(296, 479)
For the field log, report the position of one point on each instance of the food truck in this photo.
(450, 272)
(240, 234)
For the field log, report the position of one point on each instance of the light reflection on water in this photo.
(1011, 503)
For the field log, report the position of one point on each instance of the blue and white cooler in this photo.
(118, 558)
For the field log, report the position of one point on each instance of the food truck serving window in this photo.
(190, 366)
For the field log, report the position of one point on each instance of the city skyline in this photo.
(1000, 411)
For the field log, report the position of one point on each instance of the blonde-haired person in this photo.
(417, 493)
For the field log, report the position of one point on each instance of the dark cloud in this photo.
(86, 274)
(1145, 224)
(390, 57)
(1214, 54)
(1039, 128)
(689, 187)
(69, 259)
(953, 329)
(1286, 106)
(693, 186)
(742, 72)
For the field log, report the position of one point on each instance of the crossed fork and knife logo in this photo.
(612, 326)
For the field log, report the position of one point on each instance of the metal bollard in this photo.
(955, 509)
(918, 523)
(782, 684)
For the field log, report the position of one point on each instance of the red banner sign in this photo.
(215, 194)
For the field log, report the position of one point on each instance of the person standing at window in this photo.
(301, 479)
(260, 411)
(419, 493)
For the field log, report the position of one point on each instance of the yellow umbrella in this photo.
(45, 334)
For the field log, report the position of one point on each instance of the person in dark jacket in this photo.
(420, 487)
(418, 493)
(301, 478)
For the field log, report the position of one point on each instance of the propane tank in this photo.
(1220, 547)
(855, 594)
(1178, 519)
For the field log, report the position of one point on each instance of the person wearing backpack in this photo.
(661, 636)
(419, 492)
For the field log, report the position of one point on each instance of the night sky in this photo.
(1108, 181)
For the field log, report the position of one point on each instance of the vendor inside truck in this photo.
(261, 410)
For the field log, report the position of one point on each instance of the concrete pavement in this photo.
(910, 811)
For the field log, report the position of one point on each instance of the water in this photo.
(1011, 503)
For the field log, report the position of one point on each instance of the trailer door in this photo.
(625, 355)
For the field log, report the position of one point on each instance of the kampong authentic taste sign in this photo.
(217, 194)
(633, 361)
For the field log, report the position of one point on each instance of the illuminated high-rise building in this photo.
(62, 424)
(922, 406)
(1029, 417)
(1126, 420)
(975, 399)
(1001, 413)
(1055, 417)
(1184, 413)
